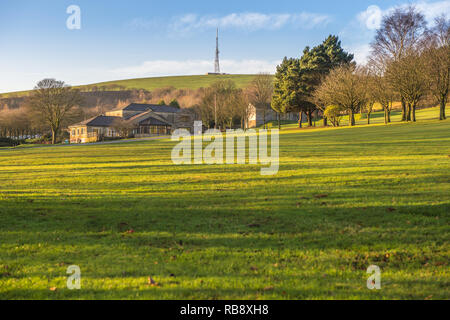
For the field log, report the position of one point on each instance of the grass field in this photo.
(343, 199)
(375, 118)
(178, 82)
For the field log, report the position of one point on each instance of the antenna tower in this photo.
(217, 64)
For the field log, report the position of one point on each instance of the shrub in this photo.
(174, 103)
(334, 114)
(8, 142)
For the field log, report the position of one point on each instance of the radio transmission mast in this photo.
(217, 64)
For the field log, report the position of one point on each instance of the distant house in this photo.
(256, 116)
(139, 120)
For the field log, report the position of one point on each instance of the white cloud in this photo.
(360, 31)
(371, 18)
(193, 67)
(361, 52)
(250, 21)
(431, 10)
(140, 23)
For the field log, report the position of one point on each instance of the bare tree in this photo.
(379, 88)
(260, 92)
(208, 108)
(15, 124)
(346, 88)
(242, 110)
(218, 104)
(204, 113)
(437, 63)
(441, 32)
(400, 32)
(407, 75)
(54, 100)
(123, 127)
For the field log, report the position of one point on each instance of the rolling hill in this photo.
(178, 82)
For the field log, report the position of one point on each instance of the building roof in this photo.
(145, 112)
(98, 121)
(140, 107)
(149, 115)
(107, 121)
(155, 122)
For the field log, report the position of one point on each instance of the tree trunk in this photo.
(351, 119)
(368, 117)
(385, 115)
(404, 117)
(442, 109)
(414, 112)
(264, 118)
(279, 121)
(300, 116)
(325, 121)
(54, 133)
(309, 115)
(408, 116)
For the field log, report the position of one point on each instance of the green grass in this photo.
(375, 118)
(150, 84)
(180, 82)
(226, 232)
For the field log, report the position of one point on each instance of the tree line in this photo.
(49, 108)
(224, 105)
(408, 62)
(42, 116)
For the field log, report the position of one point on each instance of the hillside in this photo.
(178, 82)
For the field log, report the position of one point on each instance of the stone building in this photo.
(138, 120)
(257, 116)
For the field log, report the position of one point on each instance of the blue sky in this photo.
(136, 38)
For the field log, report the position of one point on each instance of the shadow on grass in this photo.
(330, 288)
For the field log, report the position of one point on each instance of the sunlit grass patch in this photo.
(343, 199)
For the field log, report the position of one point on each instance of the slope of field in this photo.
(344, 199)
(178, 82)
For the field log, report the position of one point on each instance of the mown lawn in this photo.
(343, 199)
(375, 118)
